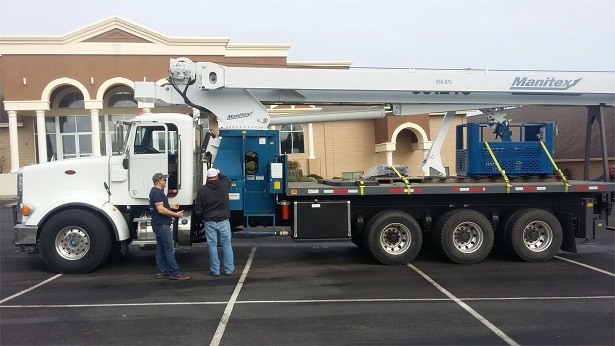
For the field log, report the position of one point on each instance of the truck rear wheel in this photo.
(394, 237)
(535, 235)
(75, 241)
(465, 235)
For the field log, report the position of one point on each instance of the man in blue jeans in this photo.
(212, 204)
(162, 218)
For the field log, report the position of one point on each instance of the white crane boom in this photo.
(237, 95)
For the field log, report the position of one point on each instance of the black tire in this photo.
(393, 237)
(465, 236)
(502, 241)
(535, 235)
(75, 241)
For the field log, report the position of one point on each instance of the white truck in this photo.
(77, 211)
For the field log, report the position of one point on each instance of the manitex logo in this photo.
(239, 115)
(551, 83)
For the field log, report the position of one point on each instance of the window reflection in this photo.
(72, 100)
(291, 139)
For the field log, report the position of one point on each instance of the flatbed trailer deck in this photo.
(445, 186)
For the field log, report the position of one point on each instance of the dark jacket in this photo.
(212, 202)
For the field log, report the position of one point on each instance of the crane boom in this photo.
(238, 95)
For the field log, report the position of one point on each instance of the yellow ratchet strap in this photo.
(497, 164)
(402, 179)
(559, 171)
(361, 184)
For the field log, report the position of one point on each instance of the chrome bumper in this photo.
(24, 235)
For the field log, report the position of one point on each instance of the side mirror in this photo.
(125, 163)
(119, 129)
(205, 142)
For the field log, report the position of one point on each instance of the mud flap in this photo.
(569, 243)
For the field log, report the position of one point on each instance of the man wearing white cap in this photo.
(212, 204)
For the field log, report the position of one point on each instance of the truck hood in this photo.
(49, 183)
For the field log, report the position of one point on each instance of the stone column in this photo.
(42, 136)
(388, 148)
(389, 157)
(196, 113)
(95, 132)
(146, 107)
(310, 142)
(13, 142)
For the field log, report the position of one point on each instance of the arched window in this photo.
(117, 100)
(122, 99)
(69, 135)
(72, 100)
(291, 139)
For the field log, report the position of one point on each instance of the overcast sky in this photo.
(494, 34)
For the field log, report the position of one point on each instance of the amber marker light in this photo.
(25, 210)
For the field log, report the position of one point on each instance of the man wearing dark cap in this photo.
(162, 218)
(212, 205)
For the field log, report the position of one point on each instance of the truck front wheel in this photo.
(535, 235)
(75, 241)
(465, 236)
(394, 237)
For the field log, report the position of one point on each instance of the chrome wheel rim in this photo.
(72, 243)
(468, 237)
(537, 236)
(395, 239)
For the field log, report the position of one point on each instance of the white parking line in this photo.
(110, 305)
(215, 341)
(585, 265)
(30, 289)
(306, 301)
(473, 312)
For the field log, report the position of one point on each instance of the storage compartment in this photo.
(322, 220)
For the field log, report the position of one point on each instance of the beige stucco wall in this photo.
(349, 146)
(8, 186)
(25, 139)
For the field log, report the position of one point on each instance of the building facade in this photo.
(61, 95)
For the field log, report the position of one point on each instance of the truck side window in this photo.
(149, 140)
(251, 163)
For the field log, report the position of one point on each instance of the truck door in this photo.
(260, 150)
(148, 155)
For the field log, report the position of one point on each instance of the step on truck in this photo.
(508, 189)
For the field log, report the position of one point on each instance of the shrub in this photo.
(294, 171)
(315, 176)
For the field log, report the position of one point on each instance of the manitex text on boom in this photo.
(551, 83)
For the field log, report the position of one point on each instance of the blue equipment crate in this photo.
(522, 157)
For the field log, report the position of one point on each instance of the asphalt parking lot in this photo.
(290, 293)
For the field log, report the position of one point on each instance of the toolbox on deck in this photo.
(525, 156)
(322, 220)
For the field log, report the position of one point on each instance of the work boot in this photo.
(179, 277)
